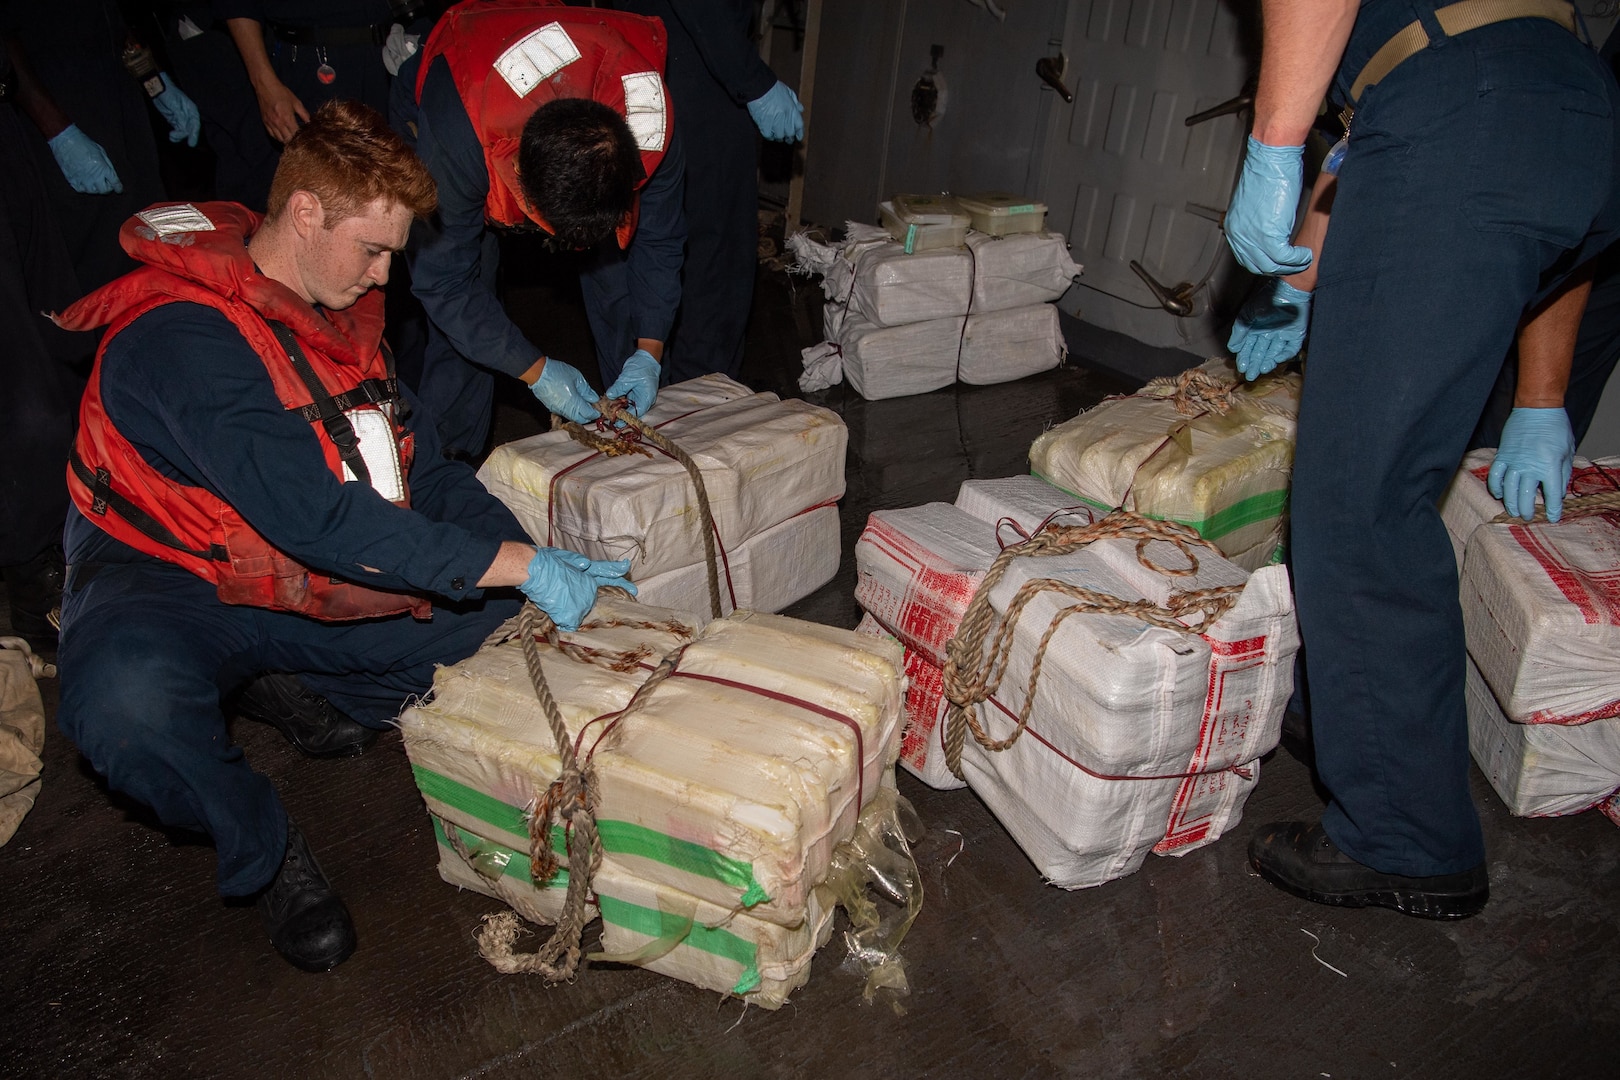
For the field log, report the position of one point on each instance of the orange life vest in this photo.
(509, 57)
(332, 370)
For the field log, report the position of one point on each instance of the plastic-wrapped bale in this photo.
(892, 288)
(1542, 770)
(1019, 270)
(1020, 506)
(763, 461)
(1141, 737)
(895, 361)
(734, 778)
(1000, 346)
(917, 569)
(767, 572)
(922, 747)
(1224, 473)
(481, 751)
(1468, 503)
(718, 948)
(1541, 608)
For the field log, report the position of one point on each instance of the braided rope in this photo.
(571, 800)
(973, 675)
(612, 441)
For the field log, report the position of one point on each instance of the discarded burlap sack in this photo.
(22, 732)
(1205, 449)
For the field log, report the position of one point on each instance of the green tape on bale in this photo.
(716, 941)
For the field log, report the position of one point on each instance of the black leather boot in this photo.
(305, 919)
(310, 722)
(34, 592)
(1302, 859)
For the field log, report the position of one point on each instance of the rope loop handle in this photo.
(620, 432)
(973, 674)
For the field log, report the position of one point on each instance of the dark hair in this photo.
(579, 167)
(347, 156)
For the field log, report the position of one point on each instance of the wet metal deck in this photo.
(120, 960)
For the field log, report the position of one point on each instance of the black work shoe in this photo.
(34, 592)
(309, 721)
(1298, 857)
(306, 920)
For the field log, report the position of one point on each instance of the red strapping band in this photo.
(1238, 769)
(808, 706)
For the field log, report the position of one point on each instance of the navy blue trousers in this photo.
(147, 653)
(1480, 172)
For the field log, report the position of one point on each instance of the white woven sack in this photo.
(1133, 698)
(1225, 475)
(1000, 346)
(664, 930)
(1541, 770)
(892, 288)
(763, 461)
(1541, 608)
(922, 747)
(1018, 506)
(1467, 503)
(898, 361)
(785, 563)
(1019, 270)
(916, 570)
(1119, 703)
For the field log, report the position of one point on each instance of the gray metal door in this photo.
(1126, 179)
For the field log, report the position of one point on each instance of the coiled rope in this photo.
(973, 675)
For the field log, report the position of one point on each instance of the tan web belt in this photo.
(1457, 19)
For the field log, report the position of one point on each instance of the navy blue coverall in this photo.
(714, 72)
(1480, 172)
(148, 649)
(629, 294)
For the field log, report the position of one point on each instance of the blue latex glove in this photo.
(179, 110)
(563, 584)
(564, 391)
(84, 163)
(1270, 330)
(1261, 217)
(778, 114)
(638, 382)
(1538, 450)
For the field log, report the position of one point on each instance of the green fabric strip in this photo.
(618, 837)
(490, 856)
(662, 924)
(627, 838)
(1262, 507)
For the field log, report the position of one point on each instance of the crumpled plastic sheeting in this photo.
(878, 859)
(823, 367)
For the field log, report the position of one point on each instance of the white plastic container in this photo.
(924, 222)
(1001, 213)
